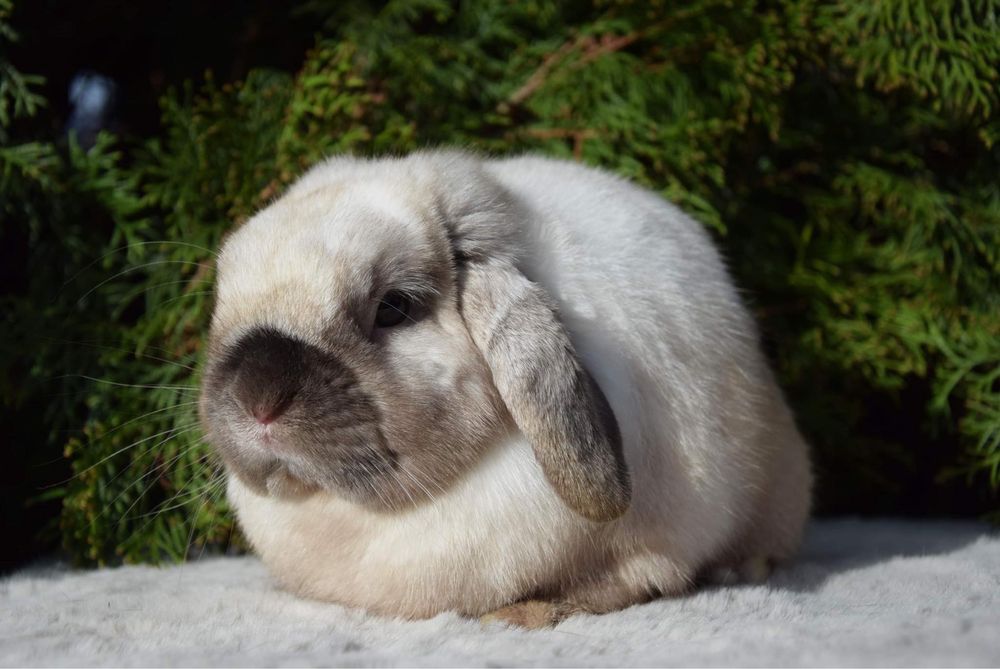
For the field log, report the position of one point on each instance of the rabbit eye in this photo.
(392, 310)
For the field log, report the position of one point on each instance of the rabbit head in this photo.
(373, 337)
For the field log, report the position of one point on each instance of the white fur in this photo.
(426, 560)
(720, 475)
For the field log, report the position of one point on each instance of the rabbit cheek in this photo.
(440, 411)
(289, 417)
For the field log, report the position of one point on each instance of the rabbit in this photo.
(515, 388)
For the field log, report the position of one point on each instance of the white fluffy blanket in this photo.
(862, 593)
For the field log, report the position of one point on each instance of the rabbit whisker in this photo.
(151, 386)
(133, 245)
(158, 468)
(118, 348)
(181, 429)
(134, 269)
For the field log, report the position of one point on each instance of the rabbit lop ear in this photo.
(552, 398)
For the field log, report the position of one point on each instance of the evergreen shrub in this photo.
(844, 154)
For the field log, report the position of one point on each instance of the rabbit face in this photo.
(339, 359)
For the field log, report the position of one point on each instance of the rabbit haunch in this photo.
(571, 405)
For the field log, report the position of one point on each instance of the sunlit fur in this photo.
(720, 476)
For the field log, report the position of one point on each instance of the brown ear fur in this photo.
(552, 398)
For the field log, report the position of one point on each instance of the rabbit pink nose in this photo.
(266, 414)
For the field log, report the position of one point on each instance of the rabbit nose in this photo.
(267, 413)
(269, 372)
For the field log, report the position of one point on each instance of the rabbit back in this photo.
(717, 463)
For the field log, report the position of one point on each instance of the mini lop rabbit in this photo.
(514, 386)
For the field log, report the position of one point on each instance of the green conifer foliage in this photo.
(843, 154)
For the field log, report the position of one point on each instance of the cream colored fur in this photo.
(720, 475)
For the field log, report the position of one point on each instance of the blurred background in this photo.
(843, 154)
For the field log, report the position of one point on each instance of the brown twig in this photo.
(607, 44)
(538, 77)
(593, 49)
(578, 135)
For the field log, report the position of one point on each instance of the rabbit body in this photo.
(719, 475)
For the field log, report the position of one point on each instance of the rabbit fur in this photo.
(576, 417)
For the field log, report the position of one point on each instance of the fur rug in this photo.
(881, 593)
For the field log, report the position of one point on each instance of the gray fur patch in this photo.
(552, 398)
